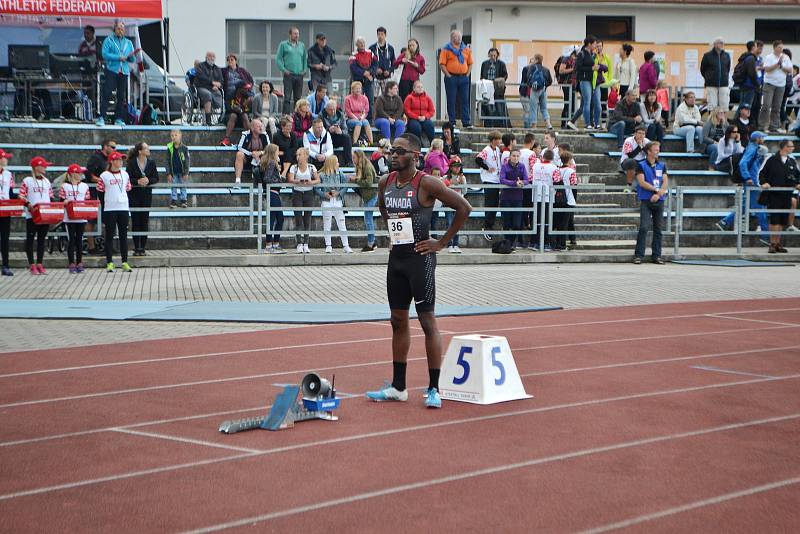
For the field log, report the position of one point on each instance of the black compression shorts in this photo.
(411, 277)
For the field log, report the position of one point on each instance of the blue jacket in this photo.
(113, 48)
(312, 103)
(750, 163)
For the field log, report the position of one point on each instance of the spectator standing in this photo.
(651, 115)
(389, 111)
(115, 184)
(420, 111)
(528, 156)
(6, 193)
(456, 181)
(566, 74)
(450, 144)
(363, 66)
(208, 84)
(564, 197)
(780, 170)
(714, 130)
(249, 149)
(303, 178)
(88, 47)
(413, 67)
(178, 167)
(653, 183)
(525, 92)
(118, 55)
(777, 66)
(74, 190)
(265, 106)
(364, 177)
(633, 153)
(97, 164)
(748, 77)
(318, 100)
(749, 165)
(551, 143)
(386, 58)
(605, 66)
(743, 122)
(585, 67)
(539, 79)
(490, 160)
(494, 68)
(455, 62)
(356, 110)
(267, 173)
(287, 145)
(627, 115)
(545, 172)
(715, 67)
(292, 61)
(36, 189)
(143, 175)
(335, 123)
(301, 119)
(331, 190)
(625, 71)
(688, 123)
(318, 143)
(239, 112)
(648, 75)
(321, 61)
(513, 175)
(727, 147)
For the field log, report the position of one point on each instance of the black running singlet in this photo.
(409, 221)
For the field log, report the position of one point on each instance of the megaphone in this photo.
(313, 386)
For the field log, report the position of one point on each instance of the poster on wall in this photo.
(661, 61)
(507, 53)
(522, 62)
(691, 63)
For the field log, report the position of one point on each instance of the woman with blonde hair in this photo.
(331, 191)
(364, 177)
(714, 130)
(301, 120)
(356, 110)
(269, 172)
(303, 176)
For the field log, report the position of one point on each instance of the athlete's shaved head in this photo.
(414, 142)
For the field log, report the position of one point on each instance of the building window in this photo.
(610, 28)
(769, 30)
(256, 42)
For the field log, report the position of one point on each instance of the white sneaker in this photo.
(456, 250)
(348, 250)
(450, 249)
(328, 250)
(299, 249)
(305, 248)
(792, 229)
(571, 125)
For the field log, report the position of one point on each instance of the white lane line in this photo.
(185, 440)
(524, 375)
(355, 365)
(310, 345)
(720, 316)
(727, 371)
(425, 484)
(391, 432)
(694, 505)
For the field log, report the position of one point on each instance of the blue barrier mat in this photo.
(249, 312)
(734, 263)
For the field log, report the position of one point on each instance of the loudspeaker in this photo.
(314, 386)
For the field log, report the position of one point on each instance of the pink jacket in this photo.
(437, 160)
(647, 77)
(355, 106)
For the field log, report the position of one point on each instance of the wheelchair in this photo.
(191, 111)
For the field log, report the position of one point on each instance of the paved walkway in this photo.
(566, 285)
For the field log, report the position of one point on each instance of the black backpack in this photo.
(734, 172)
(561, 78)
(740, 70)
(502, 247)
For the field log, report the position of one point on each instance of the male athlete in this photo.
(405, 198)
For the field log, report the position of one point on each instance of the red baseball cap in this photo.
(75, 168)
(116, 155)
(39, 161)
(4, 154)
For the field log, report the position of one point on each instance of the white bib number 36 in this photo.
(401, 231)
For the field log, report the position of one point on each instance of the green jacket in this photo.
(183, 154)
(366, 185)
(292, 57)
(606, 60)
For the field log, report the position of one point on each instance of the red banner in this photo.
(122, 9)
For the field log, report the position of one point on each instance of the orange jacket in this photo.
(419, 104)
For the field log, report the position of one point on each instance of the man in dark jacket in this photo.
(750, 87)
(585, 67)
(385, 54)
(321, 61)
(780, 170)
(493, 68)
(208, 83)
(744, 124)
(715, 68)
(626, 116)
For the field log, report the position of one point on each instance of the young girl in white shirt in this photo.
(36, 189)
(74, 189)
(115, 184)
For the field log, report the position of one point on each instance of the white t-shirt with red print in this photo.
(544, 174)
(70, 193)
(35, 191)
(115, 185)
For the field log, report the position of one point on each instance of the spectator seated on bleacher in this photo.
(318, 100)
(239, 111)
(651, 113)
(688, 123)
(420, 110)
(335, 123)
(234, 76)
(301, 120)
(389, 112)
(726, 148)
(627, 115)
(633, 152)
(714, 130)
(287, 145)
(452, 147)
(319, 143)
(356, 110)
(208, 83)
(265, 106)
(250, 148)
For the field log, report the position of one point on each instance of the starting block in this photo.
(481, 370)
(318, 402)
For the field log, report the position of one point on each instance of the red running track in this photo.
(665, 418)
